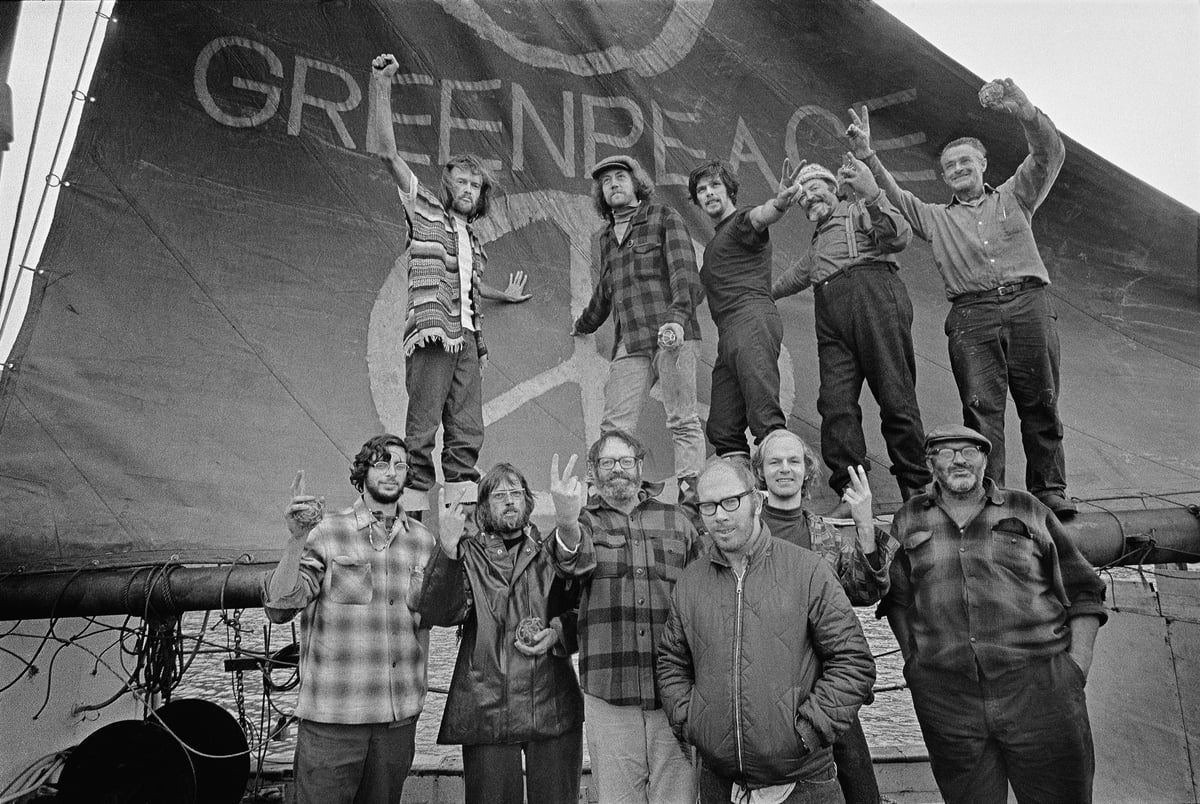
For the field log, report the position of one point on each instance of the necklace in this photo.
(388, 527)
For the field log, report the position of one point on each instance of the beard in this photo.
(510, 521)
(388, 496)
(619, 486)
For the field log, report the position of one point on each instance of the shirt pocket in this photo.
(611, 561)
(350, 581)
(647, 258)
(918, 546)
(1014, 548)
(670, 557)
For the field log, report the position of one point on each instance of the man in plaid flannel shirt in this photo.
(444, 349)
(789, 469)
(639, 547)
(996, 612)
(649, 283)
(362, 651)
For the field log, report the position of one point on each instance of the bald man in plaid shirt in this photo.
(649, 284)
(362, 651)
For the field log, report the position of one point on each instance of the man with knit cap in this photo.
(863, 322)
(649, 284)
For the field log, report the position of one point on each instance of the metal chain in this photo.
(239, 682)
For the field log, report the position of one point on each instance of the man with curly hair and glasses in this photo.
(362, 650)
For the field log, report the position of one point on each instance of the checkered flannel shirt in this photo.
(995, 594)
(646, 280)
(362, 652)
(625, 599)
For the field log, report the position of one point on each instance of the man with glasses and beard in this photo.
(762, 662)
(362, 651)
(996, 613)
(514, 690)
(636, 547)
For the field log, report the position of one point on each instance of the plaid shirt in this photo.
(434, 311)
(646, 280)
(863, 582)
(362, 652)
(995, 594)
(626, 596)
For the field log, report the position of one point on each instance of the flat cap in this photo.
(956, 432)
(618, 161)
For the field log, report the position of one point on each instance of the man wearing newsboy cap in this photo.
(996, 613)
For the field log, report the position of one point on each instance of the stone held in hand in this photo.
(992, 92)
(313, 513)
(529, 628)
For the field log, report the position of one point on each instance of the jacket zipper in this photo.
(737, 676)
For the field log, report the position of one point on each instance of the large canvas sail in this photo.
(219, 302)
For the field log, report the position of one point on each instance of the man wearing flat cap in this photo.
(863, 322)
(649, 284)
(996, 613)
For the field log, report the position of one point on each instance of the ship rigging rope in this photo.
(52, 179)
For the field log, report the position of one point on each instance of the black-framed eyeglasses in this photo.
(625, 461)
(383, 466)
(729, 503)
(946, 454)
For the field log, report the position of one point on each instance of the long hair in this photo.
(714, 168)
(489, 483)
(472, 163)
(643, 188)
(812, 467)
(375, 449)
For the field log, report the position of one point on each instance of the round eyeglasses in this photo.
(729, 503)
(396, 466)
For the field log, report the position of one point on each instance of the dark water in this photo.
(890, 720)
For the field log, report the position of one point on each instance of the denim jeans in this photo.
(636, 758)
(675, 372)
(339, 763)
(1028, 728)
(745, 380)
(492, 774)
(1003, 344)
(864, 332)
(444, 389)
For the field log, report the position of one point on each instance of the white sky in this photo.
(1119, 76)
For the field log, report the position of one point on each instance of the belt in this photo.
(1011, 289)
(842, 272)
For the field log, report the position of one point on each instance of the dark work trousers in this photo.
(1028, 728)
(444, 388)
(745, 380)
(339, 763)
(855, 772)
(1010, 343)
(864, 332)
(492, 773)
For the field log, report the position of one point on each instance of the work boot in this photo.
(1057, 502)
